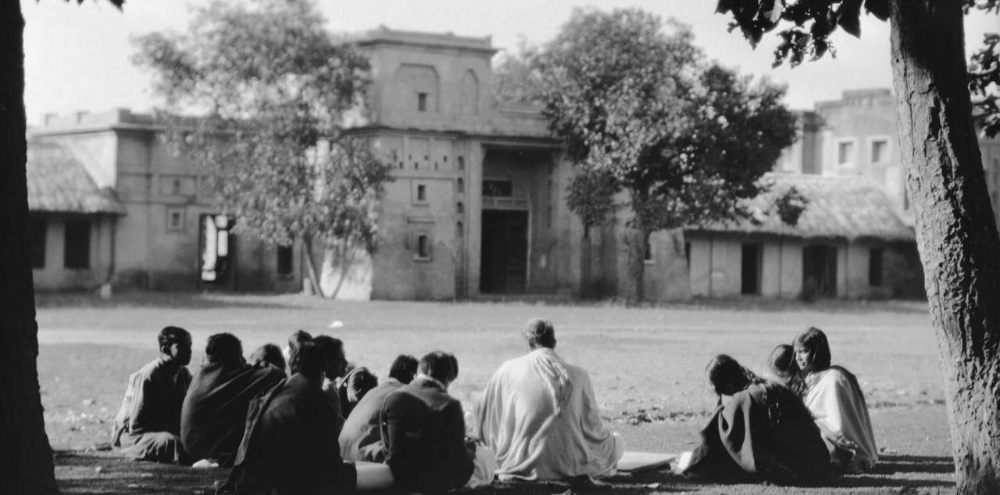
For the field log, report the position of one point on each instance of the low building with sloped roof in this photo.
(848, 241)
(72, 221)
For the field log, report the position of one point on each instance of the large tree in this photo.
(274, 88)
(956, 231)
(641, 112)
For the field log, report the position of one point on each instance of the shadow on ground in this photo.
(92, 472)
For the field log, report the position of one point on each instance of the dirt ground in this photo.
(646, 363)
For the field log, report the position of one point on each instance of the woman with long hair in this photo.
(836, 401)
(759, 428)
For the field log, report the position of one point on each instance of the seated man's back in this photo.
(540, 416)
(291, 444)
(360, 439)
(215, 408)
(423, 431)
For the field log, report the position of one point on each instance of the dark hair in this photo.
(404, 368)
(440, 366)
(814, 340)
(172, 335)
(540, 333)
(358, 382)
(224, 348)
(728, 376)
(332, 349)
(309, 360)
(782, 361)
(269, 355)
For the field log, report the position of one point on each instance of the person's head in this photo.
(782, 362)
(268, 355)
(175, 345)
(404, 368)
(358, 383)
(812, 350)
(333, 350)
(540, 333)
(225, 349)
(309, 361)
(727, 375)
(440, 366)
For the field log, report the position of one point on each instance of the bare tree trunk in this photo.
(586, 284)
(635, 285)
(343, 254)
(25, 455)
(307, 243)
(956, 232)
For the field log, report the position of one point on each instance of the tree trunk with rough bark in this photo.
(635, 286)
(956, 232)
(25, 455)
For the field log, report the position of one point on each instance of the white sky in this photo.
(78, 57)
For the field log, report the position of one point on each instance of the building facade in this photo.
(477, 205)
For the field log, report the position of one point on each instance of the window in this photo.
(880, 150)
(845, 152)
(175, 219)
(498, 188)
(459, 229)
(423, 247)
(461, 163)
(421, 192)
(647, 251)
(36, 240)
(687, 255)
(77, 240)
(459, 208)
(421, 102)
(460, 185)
(285, 256)
(875, 266)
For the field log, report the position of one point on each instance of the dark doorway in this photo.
(504, 262)
(751, 269)
(819, 271)
(216, 252)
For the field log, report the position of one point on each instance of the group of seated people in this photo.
(306, 428)
(808, 422)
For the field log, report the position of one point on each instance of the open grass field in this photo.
(647, 365)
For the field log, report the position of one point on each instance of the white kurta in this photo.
(540, 416)
(841, 414)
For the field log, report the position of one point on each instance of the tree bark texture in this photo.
(25, 456)
(956, 232)
(635, 285)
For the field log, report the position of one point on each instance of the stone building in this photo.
(477, 206)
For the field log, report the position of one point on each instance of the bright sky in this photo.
(78, 57)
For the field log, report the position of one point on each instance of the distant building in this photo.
(478, 205)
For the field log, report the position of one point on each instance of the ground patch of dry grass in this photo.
(647, 359)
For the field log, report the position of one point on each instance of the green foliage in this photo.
(809, 24)
(273, 88)
(590, 195)
(790, 206)
(686, 138)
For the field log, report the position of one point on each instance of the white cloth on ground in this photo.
(839, 408)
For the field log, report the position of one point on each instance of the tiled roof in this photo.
(841, 207)
(57, 182)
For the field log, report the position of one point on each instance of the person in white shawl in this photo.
(837, 403)
(540, 416)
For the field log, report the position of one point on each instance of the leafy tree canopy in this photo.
(273, 89)
(805, 27)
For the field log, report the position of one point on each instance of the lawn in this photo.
(647, 365)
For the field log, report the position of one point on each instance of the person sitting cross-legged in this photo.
(147, 425)
(541, 417)
(759, 429)
(215, 408)
(360, 439)
(835, 399)
(423, 433)
(290, 445)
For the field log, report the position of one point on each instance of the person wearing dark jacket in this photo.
(215, 407)
(423, 430)
(360, 439)
(290, 445)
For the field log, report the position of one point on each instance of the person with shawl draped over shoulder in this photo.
(759, 429)
(541, 417)
(836, 401)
